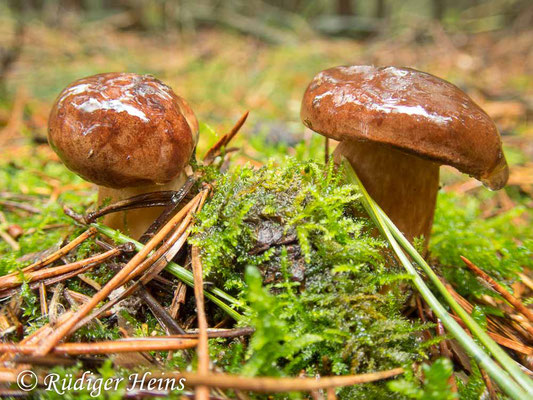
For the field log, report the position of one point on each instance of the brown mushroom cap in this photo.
(409, 110)
(121, 130)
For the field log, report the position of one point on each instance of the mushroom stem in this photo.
(134, 222)
(403, 185)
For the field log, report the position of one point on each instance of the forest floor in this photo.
(222, 74)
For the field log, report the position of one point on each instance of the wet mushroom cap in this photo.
(122, 130)
(413, 111)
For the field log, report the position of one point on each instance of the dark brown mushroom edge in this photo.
(396, 126)
(129, 134)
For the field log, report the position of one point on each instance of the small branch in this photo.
(202, 392)
(501, 290)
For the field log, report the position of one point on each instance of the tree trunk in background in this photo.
(381, 9)
(439, 7)
(344, 7)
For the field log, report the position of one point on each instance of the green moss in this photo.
(435, 384)
(285, 239)
(499, 245)
(292, 242)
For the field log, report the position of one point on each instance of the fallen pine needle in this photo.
(501, 340)
(278, 385)
(59, 253)
(501, 290)
(162, 343)
(9, 281)
(258, 384)
(50, 342)
(42, 299)
(154, 264)
(202, 392)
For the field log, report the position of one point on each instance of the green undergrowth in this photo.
(292, 242)
(501, 245)
(324, 297)
(32, 178)
(30, 181)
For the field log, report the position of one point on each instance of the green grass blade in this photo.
(186, 276)
(484, 338)
(508, 385)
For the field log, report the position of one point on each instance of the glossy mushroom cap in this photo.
(410, 110)
(122, 130)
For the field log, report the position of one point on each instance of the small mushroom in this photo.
(396, 126)
(129, 134)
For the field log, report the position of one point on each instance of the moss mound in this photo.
(292, 242)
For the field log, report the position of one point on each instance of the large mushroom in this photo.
(129, 134)
(396, 126)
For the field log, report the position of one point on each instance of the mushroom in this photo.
(129, 134)
(396, 126)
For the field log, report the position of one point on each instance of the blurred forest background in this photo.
(228, 56)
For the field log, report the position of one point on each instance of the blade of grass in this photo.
(179, 272)
(499, 354)
(508, 385)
